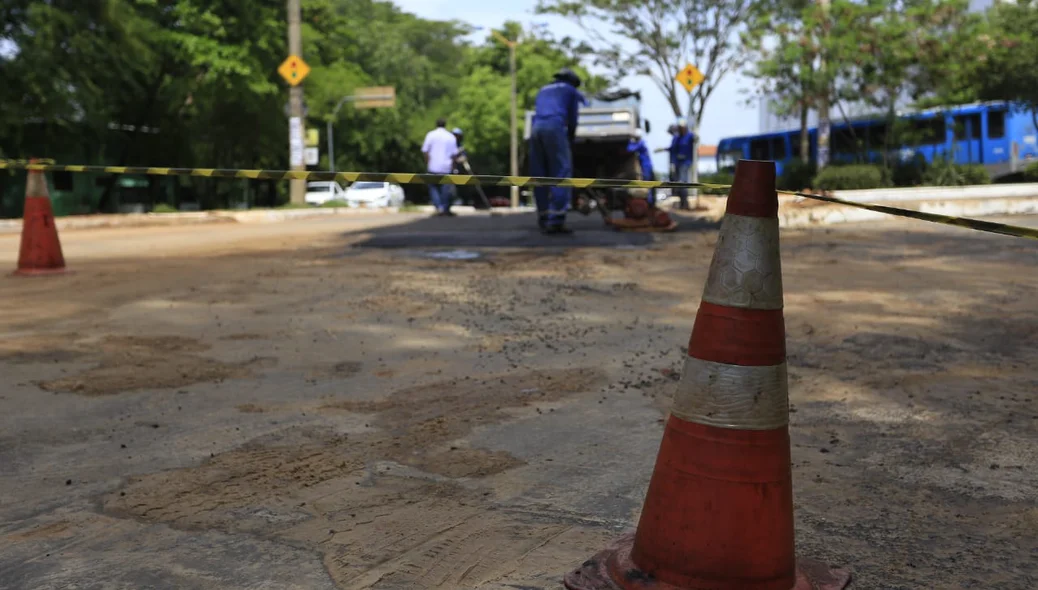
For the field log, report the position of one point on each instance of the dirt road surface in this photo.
(339, 403)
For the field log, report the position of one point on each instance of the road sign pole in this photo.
(690, 77)
(297, 188)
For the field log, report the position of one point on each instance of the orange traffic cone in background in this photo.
(40, 252)
(719, 510)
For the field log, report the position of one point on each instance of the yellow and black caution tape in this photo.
(21, 163)
(351, 177)
(484, 180)
(967, 222)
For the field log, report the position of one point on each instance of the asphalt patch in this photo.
(505, 239)
(507, 231)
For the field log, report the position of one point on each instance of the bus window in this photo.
(759, 150)
(726, 159)
(929, 131)
(778, 148)
(996, 124)
(967, 126)
(877, 136)
(844, 142)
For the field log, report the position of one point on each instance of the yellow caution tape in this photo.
(44, 165)
(351, 177)
(18, 163)
(967, 222)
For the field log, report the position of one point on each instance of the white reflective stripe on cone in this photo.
(732, 396)
(746, 270)
(36, 185)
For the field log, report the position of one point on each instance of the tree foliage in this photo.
(872, 55)
(656, 38)
(1007, 65)
(91, 82)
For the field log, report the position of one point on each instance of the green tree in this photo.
(482, 104)
(91, 82)
(656, 38)
(896, 39)
(788, 63)
(1007, 67)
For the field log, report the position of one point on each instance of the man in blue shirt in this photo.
(681, 147)
(551, 136)
(637, 146)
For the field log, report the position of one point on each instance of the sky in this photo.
(726, 113)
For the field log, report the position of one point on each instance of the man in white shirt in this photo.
(440, 147)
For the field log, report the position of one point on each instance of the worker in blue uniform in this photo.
(637, 146)
(551, 137)
(681, 147)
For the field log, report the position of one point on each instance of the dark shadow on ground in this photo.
(516, 231)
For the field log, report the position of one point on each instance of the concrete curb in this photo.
(941, 193)
(789, 216)
(249, 216)
(831, 215)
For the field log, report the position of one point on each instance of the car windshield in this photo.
(319, 188)
(364, 185)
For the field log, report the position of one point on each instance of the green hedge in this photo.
(1031, 172)
(944, 173)
(797, 175)
(853, 177)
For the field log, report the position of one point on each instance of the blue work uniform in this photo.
(681, 147)
(638, 146)
(554, 127)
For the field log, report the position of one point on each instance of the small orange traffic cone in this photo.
(40, 252)
(719, 510)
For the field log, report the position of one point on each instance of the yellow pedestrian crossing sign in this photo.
(293, 69)
(690, 77)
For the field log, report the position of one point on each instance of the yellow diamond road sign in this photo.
(293, 69)
(690, 77)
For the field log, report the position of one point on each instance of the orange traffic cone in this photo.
(40, 252)
(719, 509)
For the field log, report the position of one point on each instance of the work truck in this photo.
(604, 128)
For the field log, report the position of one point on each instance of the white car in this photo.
(320, 192)
(375, 194)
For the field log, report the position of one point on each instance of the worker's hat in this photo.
(568, 75)
(637, 134)
(682, 122)
(456, 131)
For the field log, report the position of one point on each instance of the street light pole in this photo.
(514, 147)
(331, 149)
(515, 125)
(362, 98)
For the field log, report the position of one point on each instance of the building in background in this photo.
(707, 159)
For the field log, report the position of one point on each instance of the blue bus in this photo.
(988, 134)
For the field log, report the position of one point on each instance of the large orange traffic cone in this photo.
(719, 510)
(40, 252)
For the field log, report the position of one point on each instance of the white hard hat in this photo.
(637, 133)
(682, 122)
